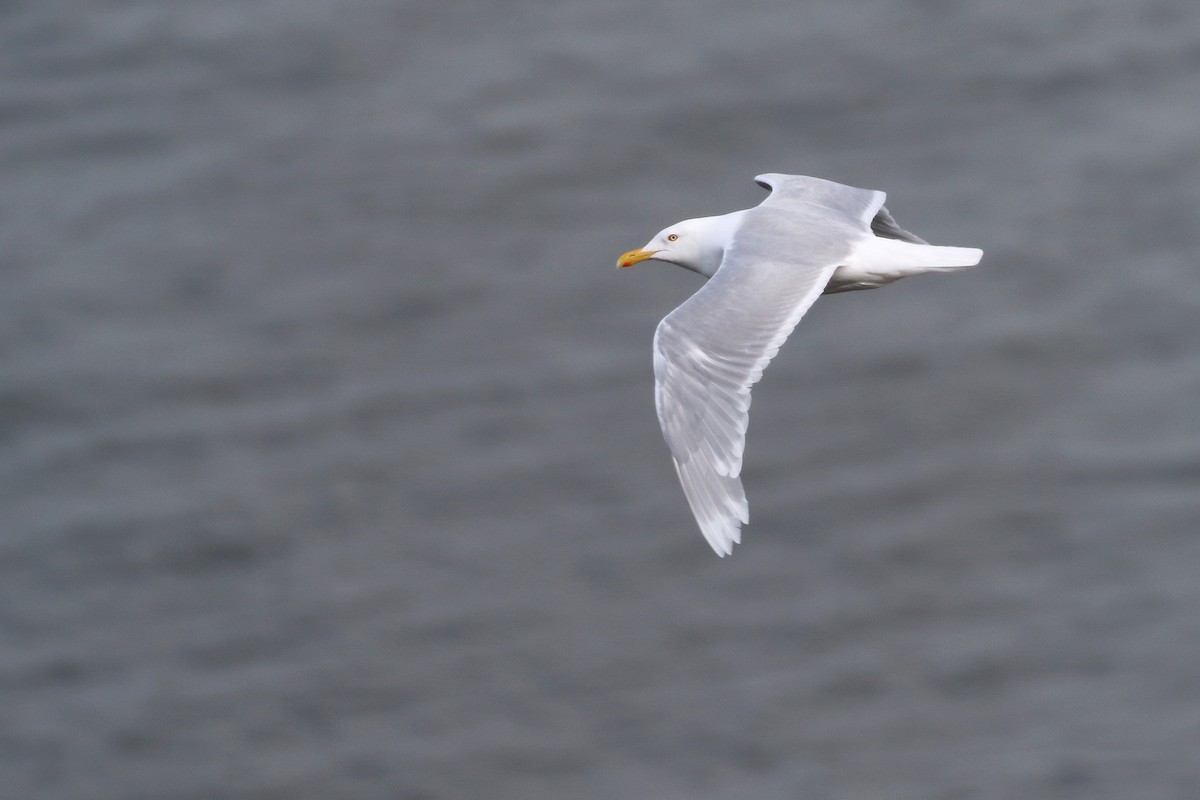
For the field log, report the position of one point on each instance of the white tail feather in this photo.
(877, 254)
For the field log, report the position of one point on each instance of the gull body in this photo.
(766, 266)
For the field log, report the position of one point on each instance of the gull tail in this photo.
(906, 258)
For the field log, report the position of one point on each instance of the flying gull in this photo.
(766, 265)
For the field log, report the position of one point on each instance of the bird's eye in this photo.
(672, 237)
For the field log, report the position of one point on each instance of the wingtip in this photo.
(722, 542)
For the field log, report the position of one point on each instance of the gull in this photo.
(765, 266)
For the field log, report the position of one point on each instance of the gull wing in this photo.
(714, 347)
(883, 225)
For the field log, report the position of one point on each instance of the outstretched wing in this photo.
(714, 347)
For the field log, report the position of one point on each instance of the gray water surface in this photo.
(330, 460)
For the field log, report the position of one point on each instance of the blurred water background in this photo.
(330, 465)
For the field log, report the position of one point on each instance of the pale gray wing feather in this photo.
(714, 347)
(883, 225)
